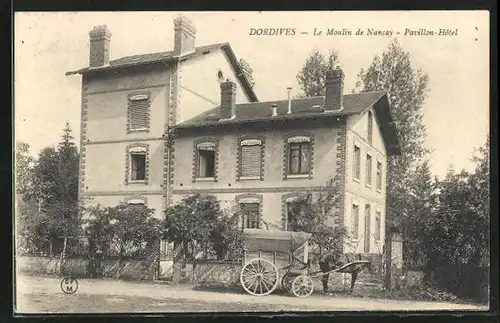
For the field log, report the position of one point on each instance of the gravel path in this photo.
(43, 294)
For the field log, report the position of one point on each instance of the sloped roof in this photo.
(355, 103)
(168, 56)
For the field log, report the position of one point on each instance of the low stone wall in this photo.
(77, 267)
(216, 274)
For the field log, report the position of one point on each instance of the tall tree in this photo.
(24, 168)
(420, 211)
(407, 89)
(311, 76)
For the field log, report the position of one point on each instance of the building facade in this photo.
(158, 127)
(128, 105)
(261, 156)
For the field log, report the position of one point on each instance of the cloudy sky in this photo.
(456, 112)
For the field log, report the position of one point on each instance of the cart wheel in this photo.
(286, 281)
(302, 286)
(259, 277)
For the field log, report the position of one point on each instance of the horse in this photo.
(332, 260)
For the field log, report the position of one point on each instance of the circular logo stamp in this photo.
(69, 285)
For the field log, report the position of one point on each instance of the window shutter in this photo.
(250, 160)
(138, 107)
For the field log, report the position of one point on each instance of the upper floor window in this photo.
(379, 175)
(137, 163)
(368, 169)
(205, 160)
(357, 162)
(251, 159)
(299, 156)
(138, 111)
(370, 126)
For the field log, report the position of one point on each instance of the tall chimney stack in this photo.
(228, 100)
(334, 90)
(100, 38)
(184, 36)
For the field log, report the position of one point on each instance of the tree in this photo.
(407, 89)
(199, 225)
(311, 77)
(24, 169)
(127, 231)
(315, 213)
(421, 209)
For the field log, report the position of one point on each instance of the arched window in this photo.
(250, 206)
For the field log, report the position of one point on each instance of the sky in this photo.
(456, 111)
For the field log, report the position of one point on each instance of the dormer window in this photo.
(138, 113)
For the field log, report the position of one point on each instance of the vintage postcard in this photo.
(251, 161)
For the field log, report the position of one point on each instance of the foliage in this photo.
(121, 230)
(49, 189)
(422, 205)
(311, 77)
(199, 221)
(407, 89)
(314, 213)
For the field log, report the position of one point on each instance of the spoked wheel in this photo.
(259, 277)
(302, 286)
(286, 281)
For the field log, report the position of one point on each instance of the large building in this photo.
(261, 156)
(158, 127)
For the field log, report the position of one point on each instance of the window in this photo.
(205, 160)
(379, 175)
(368, 169)
(370, 126)
(367, 228)
(377, 226)
(299, 155)
(290, 223)
(138, 111)
(137, 163)
(357, 162)
(251, 159)
(138, 167)
(250, 214)
(355, 221)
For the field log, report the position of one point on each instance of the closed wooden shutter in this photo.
(138, 109)
(251, 154)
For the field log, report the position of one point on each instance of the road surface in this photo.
(44, 295)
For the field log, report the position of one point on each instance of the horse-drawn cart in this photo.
(272, 257)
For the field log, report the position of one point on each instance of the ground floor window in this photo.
(250, 215)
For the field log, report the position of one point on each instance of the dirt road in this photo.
(43, 294)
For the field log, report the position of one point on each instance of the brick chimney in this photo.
(100, 38)
(334, 90)
(228, 100)
(185, 33)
